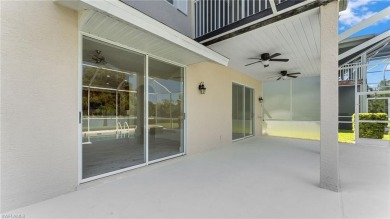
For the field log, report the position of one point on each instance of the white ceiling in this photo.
(296, 38)
(107, 27)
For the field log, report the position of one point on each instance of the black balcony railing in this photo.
(211, 15)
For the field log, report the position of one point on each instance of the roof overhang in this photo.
(361, 48)
(349, 43)
(121, 24)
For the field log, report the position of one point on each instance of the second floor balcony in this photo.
(349, 73)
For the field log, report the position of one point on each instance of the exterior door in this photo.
(113, 109)
(133, 110)
(165, 110)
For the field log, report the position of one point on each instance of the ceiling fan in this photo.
(284, 75)
(265, 58)
(98, 57)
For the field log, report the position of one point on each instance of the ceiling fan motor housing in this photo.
(265, 56)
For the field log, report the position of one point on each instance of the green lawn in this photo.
(347, 136)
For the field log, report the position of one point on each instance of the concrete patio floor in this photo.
(263, 177)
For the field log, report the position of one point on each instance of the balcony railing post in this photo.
(207, 16)
(223, 12)
(233, 3)
(238, 11)
(196, 20)
(228, 11)
(215, 14)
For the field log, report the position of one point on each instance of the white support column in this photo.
(329, 170)
(363, 69)
(357, 97)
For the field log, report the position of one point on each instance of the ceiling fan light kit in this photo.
(266, 63)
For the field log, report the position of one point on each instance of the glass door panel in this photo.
(113, 106)
(242, 111)
(238, 112)
(166, 109)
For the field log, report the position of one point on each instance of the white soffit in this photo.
(122, 24)
(297, 38)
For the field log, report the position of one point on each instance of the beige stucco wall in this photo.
(209, 116)
(39, 114)
(39, 103)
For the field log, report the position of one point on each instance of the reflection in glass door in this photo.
(113, 108)
(242, 111)
(166, 89)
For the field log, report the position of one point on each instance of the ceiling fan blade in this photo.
(252, 63)
(279, 60)
(255, 58)
(274, 55)
(292, 76)
(297, 73)
(278, 78)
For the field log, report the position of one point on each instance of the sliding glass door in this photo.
(242, 111)
(113, 106)
(166, 91)
(122, 128)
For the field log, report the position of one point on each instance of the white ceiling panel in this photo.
(296, 38)
(109, 28)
